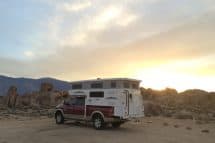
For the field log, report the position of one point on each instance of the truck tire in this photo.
(59, 118)
(98, 122)
(116, 124)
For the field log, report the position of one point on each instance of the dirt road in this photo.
(148, 130)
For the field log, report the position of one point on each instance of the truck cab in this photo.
(102, 101)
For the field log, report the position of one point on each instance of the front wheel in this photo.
(59, 118)
(98, 122)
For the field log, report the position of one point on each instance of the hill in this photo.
(28, 85)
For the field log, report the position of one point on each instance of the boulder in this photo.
(188, 128)
(152, 109)
(205, 131)
(183, 114)
(203, 117)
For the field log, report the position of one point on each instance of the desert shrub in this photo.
(192, 100)
(44, 99)
(152, 109)
(24, 100)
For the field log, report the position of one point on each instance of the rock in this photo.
(165, 124)
(199, 122)
(149, 122)
(152, 109)
(137, 120)
(203, 117)
(210, 115)
(188, 128)
(167, 114)
(205, 131)
(176, 126)
(30, 111)
(183, 115)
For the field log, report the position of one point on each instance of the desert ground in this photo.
(171, 118)
(147, 130)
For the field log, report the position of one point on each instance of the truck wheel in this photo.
(98, 122)
(116, 124)
(59, 118)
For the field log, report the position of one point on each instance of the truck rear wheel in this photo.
(59, 118)
(98, 122)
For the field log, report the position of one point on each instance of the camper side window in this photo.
(97, 94)
(135, 86)
(96, 85)
(126, 85)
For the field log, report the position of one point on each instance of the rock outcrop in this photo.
(12, 96)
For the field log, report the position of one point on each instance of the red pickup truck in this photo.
(75, 108)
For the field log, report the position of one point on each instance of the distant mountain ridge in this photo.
(25, 85)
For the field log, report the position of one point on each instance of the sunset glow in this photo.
(163, 43)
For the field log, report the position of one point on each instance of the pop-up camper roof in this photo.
(106, 79)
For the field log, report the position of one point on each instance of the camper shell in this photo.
(114, 100)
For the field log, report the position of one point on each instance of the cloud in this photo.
(14, 67)
(29, 54)
(106, 18)
(184, 54)
(84, 39)
(177, 49)
(77, 6)
(90, 24)
(126, 19)
(112, 15)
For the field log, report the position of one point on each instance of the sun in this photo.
(161, 78)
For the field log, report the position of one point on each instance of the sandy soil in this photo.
(148, 130)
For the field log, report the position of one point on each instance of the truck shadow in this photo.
(107, 128)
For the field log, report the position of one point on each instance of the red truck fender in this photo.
(96, 112)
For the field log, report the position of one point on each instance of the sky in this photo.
(164, 43)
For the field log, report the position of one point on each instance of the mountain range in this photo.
(26, 85)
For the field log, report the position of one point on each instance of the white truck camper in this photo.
(102, 101)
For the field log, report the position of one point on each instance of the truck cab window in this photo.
(77, 101)
(80, 101)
